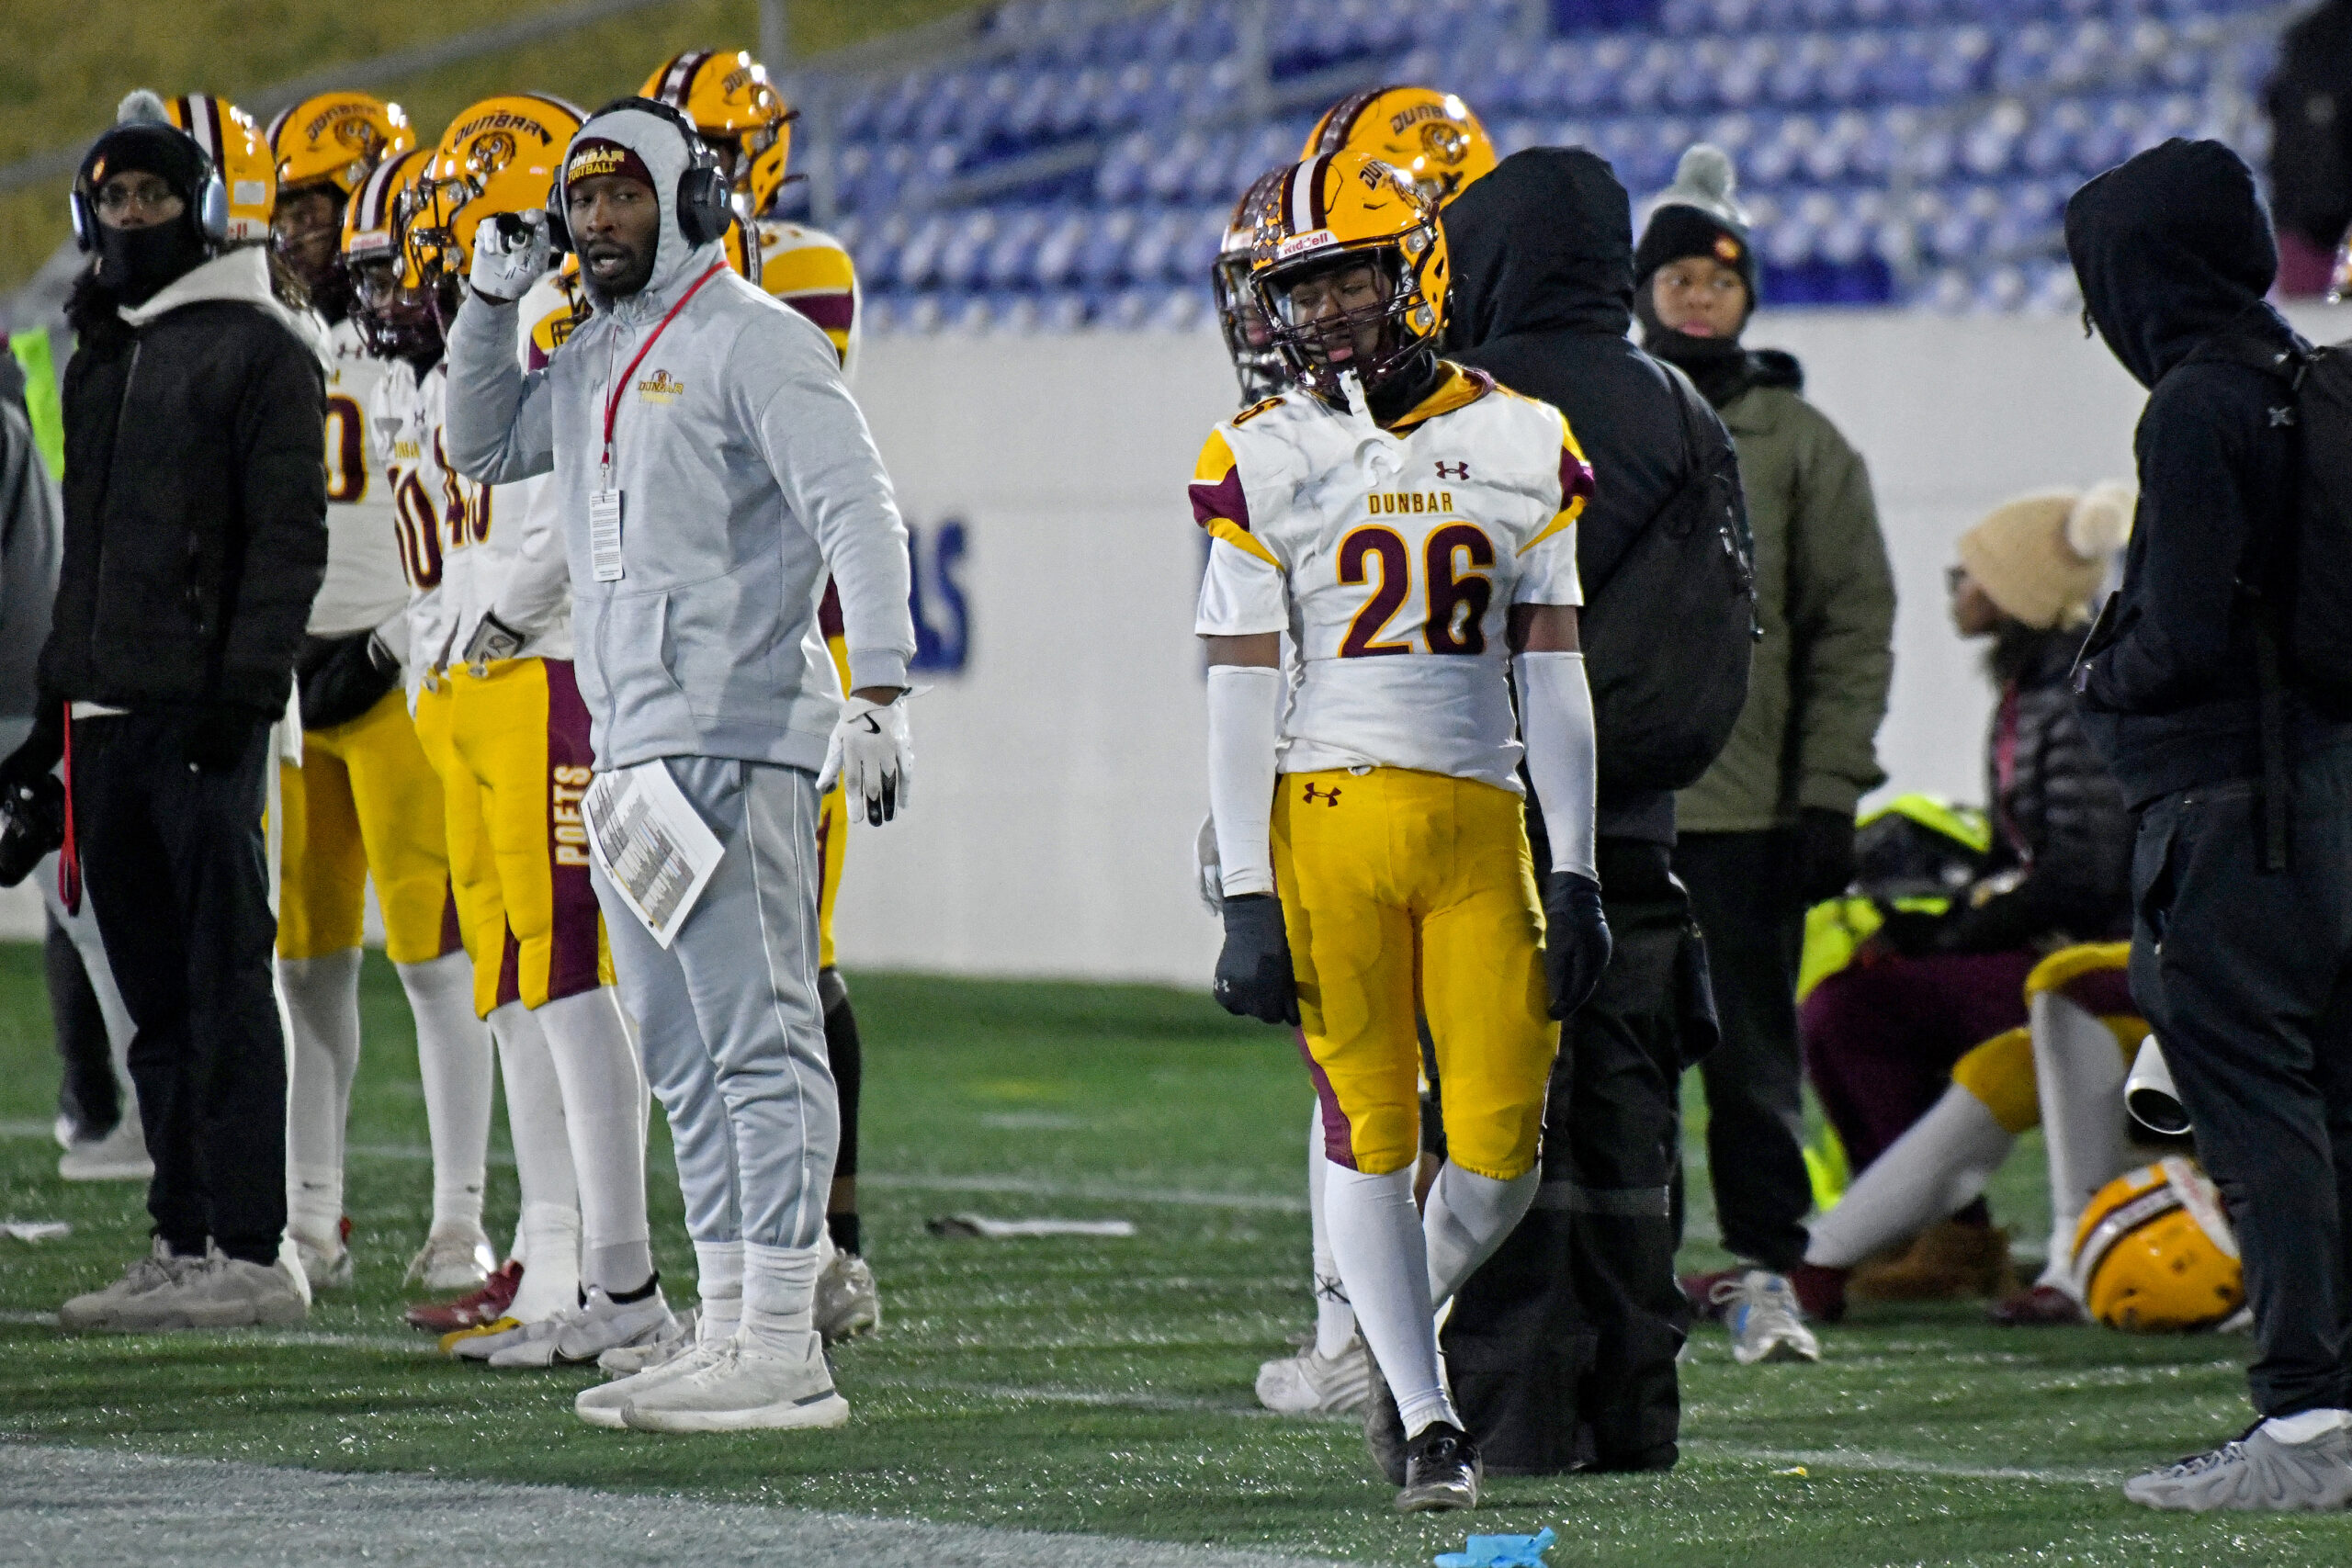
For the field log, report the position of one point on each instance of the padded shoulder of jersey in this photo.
(1260, 406)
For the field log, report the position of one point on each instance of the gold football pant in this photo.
(364, 803)
(512, 748)
(832, 834)
(1401, 888)
(2000, 1072)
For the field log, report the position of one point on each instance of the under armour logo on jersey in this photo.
(1329, 797)
(1455, 471)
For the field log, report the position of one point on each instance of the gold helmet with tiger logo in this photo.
(398, 298)
(738, 111)
(1349, 265)
(336, 140)
(1433, 136)
(500, 155)
(2154, 1252)
(240, 151)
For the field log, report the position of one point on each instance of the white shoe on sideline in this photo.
(846, 1305)
(746, 1387)
(1761, 1310)
(217, 1292)
(587, 1331)
(325, 1264)
(455, 1257)
(627, 1360)
(121, 1156)
(601, 1406)
(1311, 1383)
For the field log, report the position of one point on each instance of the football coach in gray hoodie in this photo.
(711, 469)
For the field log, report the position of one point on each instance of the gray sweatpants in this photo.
(733, 1037)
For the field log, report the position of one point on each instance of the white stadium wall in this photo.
(1059, 778)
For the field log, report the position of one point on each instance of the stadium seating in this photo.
(1891, 151)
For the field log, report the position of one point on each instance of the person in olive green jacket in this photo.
(1769, 829)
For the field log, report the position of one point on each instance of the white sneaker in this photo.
(601, 1406)
(95, 1310)
(217, 1292)
(847, 1304)
(1761, 1310)
(455, 1257)
(121, 1156)
(587, 1331)
(1311, 1383)
(627, 1360)
(325, 1264)
(746, 1387)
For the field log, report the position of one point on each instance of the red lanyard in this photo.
(613, 403)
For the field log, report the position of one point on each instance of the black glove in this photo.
(1576, 940)
(342, 678)
(218, 736)
(1824, 853)
(39, 756)
(1253, 976)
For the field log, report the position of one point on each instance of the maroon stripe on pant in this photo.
(453, 934)
(1339, 1137)
(510, 967)
(571, 958)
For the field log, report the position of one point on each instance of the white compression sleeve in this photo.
(1555, 721)
(1930, 1172)
(1245, 725)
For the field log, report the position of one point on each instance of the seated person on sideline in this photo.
(1882, 1034)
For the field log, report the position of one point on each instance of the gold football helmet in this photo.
(1433, 136)
(738, 110)
(500, 155)
(2155, 1253)
(239, 152)
(1248, 336)
(1350, 266)
(398, 309)
(336, 139)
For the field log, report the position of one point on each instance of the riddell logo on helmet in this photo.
(1298, 242)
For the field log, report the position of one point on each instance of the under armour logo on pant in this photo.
(1329, 797)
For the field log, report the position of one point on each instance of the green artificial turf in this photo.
(1104, 1385)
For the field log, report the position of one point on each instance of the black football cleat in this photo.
(1442, 1470)
(1383, 1430)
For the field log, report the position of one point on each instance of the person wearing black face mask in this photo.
(1769, 829)
(195, 541)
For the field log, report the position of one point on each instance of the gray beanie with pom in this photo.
(1698, 215)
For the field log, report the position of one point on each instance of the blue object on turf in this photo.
(1500, 1552)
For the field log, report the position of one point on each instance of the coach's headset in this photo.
(704, 209)
(211, 202)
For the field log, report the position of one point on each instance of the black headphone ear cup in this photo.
(703, 209)
(214, 218)
(559, 222)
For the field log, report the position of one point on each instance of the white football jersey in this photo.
(1393, 559)
(364, 586)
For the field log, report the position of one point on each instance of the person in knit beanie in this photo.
(1881, 1035)
(1769, 831)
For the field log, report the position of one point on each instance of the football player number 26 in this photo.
(1458, 593)
(347, 451)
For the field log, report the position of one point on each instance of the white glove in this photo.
(872, 758)
(511, 253)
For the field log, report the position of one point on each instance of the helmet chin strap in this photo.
(1359, 405)
(1375, 451)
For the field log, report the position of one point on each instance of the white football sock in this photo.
(1335, 1320)
(1376, 1236)
(533, 1123)
(548, 1239)
(779, 1297)
(453, 1063)
(604, 1109)
(322, 1057)
(2305, 1424)
(1933, 1170)
(1468, 1216)
(2079, 1071)
(718, 1268)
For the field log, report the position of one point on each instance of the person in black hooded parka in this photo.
(1562, 1347)
(2244, 971)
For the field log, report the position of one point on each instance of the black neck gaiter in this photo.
(134, 265)
(1718, 366)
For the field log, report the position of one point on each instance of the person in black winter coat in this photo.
(1562, 1347)
(2242, 965)
(1881, 1035)
(195, 540)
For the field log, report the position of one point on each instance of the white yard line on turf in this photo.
(87, 1508)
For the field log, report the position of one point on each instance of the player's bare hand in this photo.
(1253, 973)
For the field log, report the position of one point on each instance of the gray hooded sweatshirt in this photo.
(746, 473)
